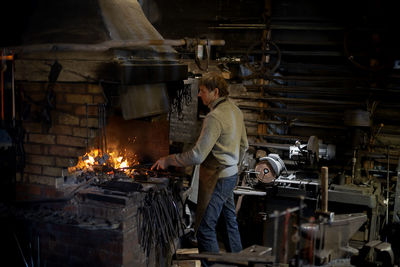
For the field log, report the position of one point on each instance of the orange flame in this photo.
(117, 160)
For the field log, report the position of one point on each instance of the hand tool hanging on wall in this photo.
(50, 95)
(102, 137)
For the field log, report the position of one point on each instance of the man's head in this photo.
(212, 86)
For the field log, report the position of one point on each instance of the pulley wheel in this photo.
(265, 173)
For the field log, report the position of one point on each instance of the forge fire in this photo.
(109, 162)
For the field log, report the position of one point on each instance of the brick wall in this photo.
(52, 147)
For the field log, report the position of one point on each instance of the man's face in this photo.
(206, 96)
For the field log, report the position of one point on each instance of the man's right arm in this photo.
(209, 135)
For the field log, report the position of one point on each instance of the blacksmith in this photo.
(219, 149)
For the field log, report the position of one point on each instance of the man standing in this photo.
(219, 149)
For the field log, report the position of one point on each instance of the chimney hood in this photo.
(112, 37)
(100, 41)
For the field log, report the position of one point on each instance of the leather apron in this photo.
(208, 177)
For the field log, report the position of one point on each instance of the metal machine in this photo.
(294, 171)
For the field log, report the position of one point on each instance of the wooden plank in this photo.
(294, 112)
(299, 100)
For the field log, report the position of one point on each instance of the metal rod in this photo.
(324, 189)
(2, 91)
(20, 250)
(13, 93)
(38, 252)
(275, 245)
(100, 133)
(387, 186)
(112, 44)
(283, 213)
(104, 128)
(87, 128)
(298, 245)
(353, 167)
(286, 239)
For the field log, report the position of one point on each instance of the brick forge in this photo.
(51, 148)
(92, 228)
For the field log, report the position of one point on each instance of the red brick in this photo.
(92, 110)
(66, 162)
(79, 88)
(45, 149)
(30, 189)
(32, 127)
(62, 88)
(61, 129)
(60, 99)
(41, 179)
(78, 99)
(84, 132)
(33, 148)
(68, 119)
(37, 97)
(71, 141)
(52, 171)
(35, 169)
(98, 99)
(40, 160)
(32, 87)
(42, 138)
(91, 122)
(67, 108)
(66, 151)
(94, 89)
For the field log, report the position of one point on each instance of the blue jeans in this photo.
(221, 201)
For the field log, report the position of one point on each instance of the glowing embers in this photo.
(111, 162)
